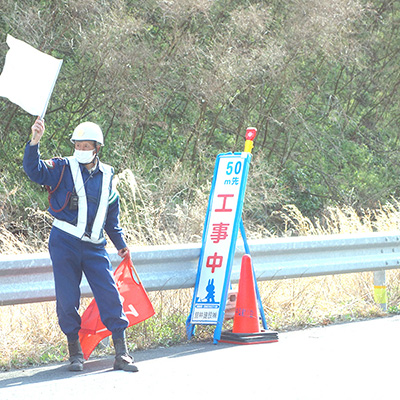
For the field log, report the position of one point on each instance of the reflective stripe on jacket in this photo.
(79, 229)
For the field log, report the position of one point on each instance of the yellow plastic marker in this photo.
(380, 294)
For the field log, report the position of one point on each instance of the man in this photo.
(82, 203)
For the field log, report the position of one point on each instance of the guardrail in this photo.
(28, 278)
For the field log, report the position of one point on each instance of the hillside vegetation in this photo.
(174, 83)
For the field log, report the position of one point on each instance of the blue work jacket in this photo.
(50, 173)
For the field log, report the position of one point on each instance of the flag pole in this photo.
(133, 267)
(51, 90)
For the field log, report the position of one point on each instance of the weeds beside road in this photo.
(30, 335)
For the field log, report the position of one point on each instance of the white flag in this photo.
(28, 76)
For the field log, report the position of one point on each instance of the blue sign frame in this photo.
(191, 322)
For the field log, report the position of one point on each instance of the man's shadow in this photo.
(101, 365)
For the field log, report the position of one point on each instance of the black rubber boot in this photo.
(75, 356)
(123, 361)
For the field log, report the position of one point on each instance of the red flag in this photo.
(136, 304)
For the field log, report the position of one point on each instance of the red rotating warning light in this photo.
(251, 133)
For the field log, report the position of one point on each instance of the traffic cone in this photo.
(245, 319)
(246, 326)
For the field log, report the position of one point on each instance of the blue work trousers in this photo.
(71, 257)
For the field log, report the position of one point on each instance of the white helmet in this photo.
(88, 131)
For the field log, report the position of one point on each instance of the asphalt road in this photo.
(358, 360)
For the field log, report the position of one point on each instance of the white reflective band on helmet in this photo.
(78, 230)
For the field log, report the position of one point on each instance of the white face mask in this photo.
(84, 156)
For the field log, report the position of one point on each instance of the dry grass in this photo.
(29, 334)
